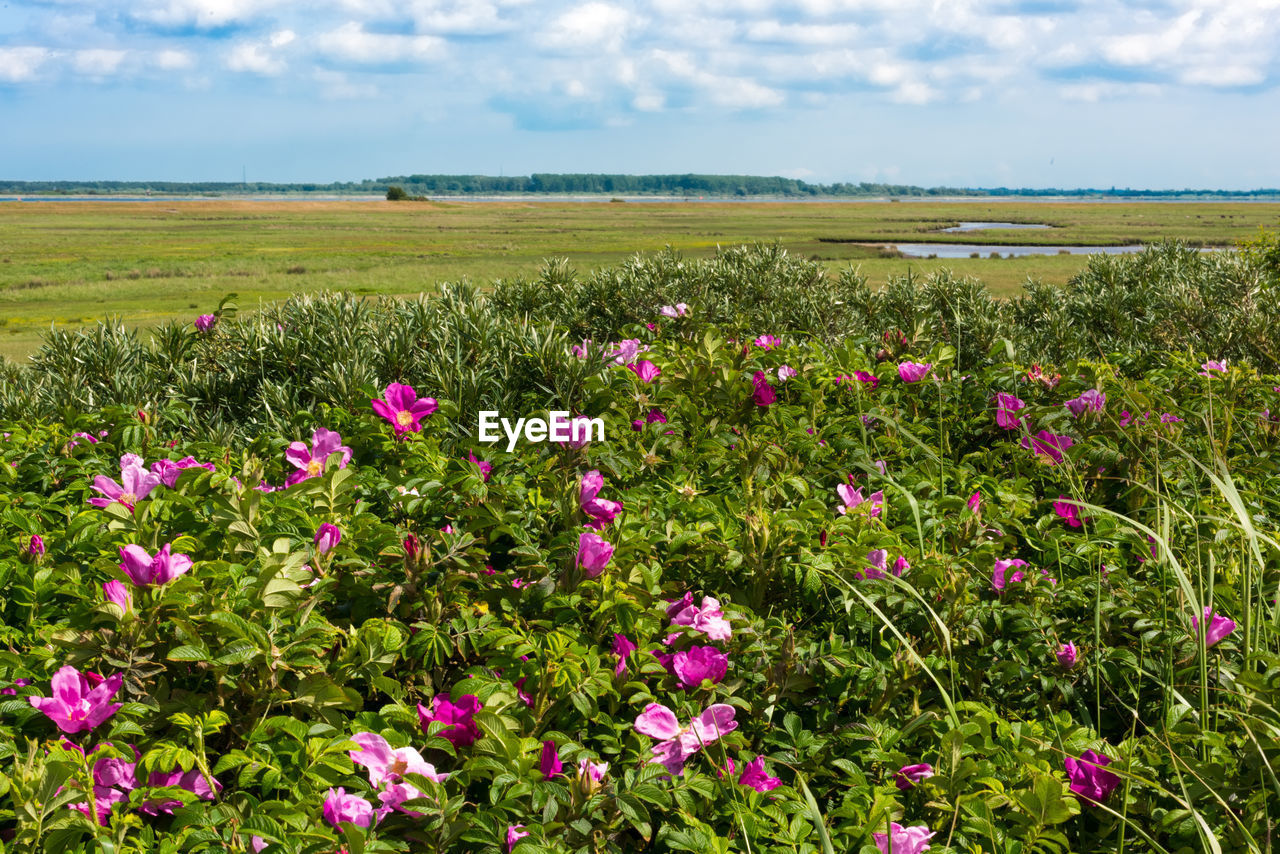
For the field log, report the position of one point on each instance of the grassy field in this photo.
(68, 263)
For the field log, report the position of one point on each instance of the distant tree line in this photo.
(689, 185)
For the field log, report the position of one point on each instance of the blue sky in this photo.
(1140, 93)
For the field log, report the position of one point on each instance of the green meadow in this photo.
(69, 263)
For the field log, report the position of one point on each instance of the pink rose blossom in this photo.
(401, 406)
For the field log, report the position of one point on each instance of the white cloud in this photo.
(202, 14)
(1223, 75)
(352, 43)
(21, 64)
(172, 60)
(1095, 91)
(97, 62)
(280, 38)
(589, 28)
(254, 57)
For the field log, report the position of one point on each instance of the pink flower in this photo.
(764, 395)
(135, 484)
(998, 579)
(754, 776)
(461, 730)
(1066, 655)
(767, 342)
(625, 352)
(909, 775)
(594, 553)
(144, 570)
(694, 665)
(401, 406)
(116, 593)
(327, 536)
(1089, 777)
(205, 322)
(1218, 626)
(913, 372)
(340, 807)
(622, 647)
(647, 371)
(679, 744)
(677, 310)
(310, 463)
(1214, 366)
(1091, 401)
(852, 499)
(486, 469)
(549, 763)
(515, 833)
(35, 547)
(579, 432)
(168, 470)
(1048, 445)
(113, 779)
(13, 689)
(975, 502)
(594, 771)
(388, 765)
(1006, 405)
(258, 843)
(785, 373)
(193, 781)
(600, 511)
(708, 618)
(867, 379)
(903, 840)
(879, 559)
(1068, 512)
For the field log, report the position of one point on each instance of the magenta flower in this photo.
(486, 469)
(879, 560)
(327, 536)
(764, 395)
(515, 833)
(579, 432)
(135, 484)
(1006, 405)
(909, 775)
(867, 379)
(168, 470)
(340, 807)
(1089, 777)
(913, 372)
(1214, 367)
(193, 781)
(144, 570)
(975, 502)
(677, 310)
(594, 553)
(550, 763)
(754, 776)
(708, 618)
(1218, 626)
(205, 322)
(598, 510)
(679, 744)
(1066, 655)
(1048, 445)
(852, 500)
(1067, 512)
(461, 731)
(625, 352)
(903, 840)
(35, 547)
(998, 577)
(698, 663)
(593, 771)
(13, 689)
(401, 406)
(1091, 401)
(389, 765)
(785, 373)
(118, 594)
(647, 371)
(74, 706)
(622, 647)
(310, 463)
(767, 342)
(113, 779)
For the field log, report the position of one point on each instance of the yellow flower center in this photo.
(398, 767)
(128, 498)
(404, 418)
(314, 467)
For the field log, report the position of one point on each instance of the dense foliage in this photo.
(836, 586)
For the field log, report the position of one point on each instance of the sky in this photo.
(1147, 94)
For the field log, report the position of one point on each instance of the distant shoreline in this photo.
(586, 198)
